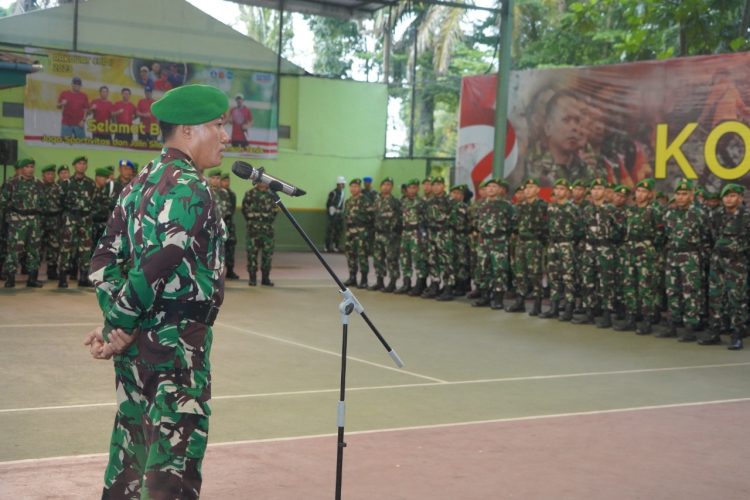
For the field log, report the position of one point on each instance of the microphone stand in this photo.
(348, 304)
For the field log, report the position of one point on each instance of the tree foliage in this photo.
(263, 25)
(337, 42)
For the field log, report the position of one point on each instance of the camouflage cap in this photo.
(190, 105)
(387, 179)
(684, 185)
(25, 161)
(102, 172)
(647, 183)
(62, 167)
(532, 180)
(79, 158)
(732, 188)
(48, 168)
(438, 180)
(562, 182)
(356, 181)
(622, 189)
(412, 182)
(599, 181)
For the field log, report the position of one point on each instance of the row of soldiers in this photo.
(611, 255)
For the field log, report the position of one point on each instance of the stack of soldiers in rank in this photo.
(56, 220)
(611, 256)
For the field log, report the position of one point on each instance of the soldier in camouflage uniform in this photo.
(50, 221)
(728, 291)
(474, 271)
(103, 203)
(231, 231)
(644, 230)
(387, 237)
(371, 195)
(358, 215)
(334, 211)
(620, 212)
(127, 171)
(531, 226)
(78, 205)
(21, 200)
(579, 189)
(157, 320)
(687, 236)
(412, 212)
(494, 226)
(423, 240)
(563, 230)
(259, 210)
(440, 251)
(459, 222)
(598, 259)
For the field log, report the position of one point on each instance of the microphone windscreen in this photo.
(242, 170)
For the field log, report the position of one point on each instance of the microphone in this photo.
(246, 171)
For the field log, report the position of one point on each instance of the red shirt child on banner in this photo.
(146, 117)
(101, 111)
(74, 105)
(124, 112)
(242, 120)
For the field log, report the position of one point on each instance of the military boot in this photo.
(405, 287)
(391, 286)
(669, 332)
(628, 325)
(567, 314)
(553, 311)
(264, 279)
(352, 280)
(518, 305)
(379, 284)
(62, 282)
(606, 319)
(418, 287)
(431, 291)
(83, 280)
(713, 338)
(644, 327)
(447, 294)
(483, 301)
(496, 301)
(460, 288)
(735, 341)
(474, 294)
(33, 281)
(52, 272)
(586, 319)
(231, 275)
(362, 281)
(253, 281)
(690, 334)
(536, 309)
(10, 281)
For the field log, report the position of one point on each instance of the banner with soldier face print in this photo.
(104, 102)
(685, 117)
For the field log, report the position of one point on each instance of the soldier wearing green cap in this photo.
(412, 215)
(50, 221)
(358, 216)
(259, 210)
(459, 222)
(167, 224)
(21, 201)
(387, 226)
(231, 230)
(226, 211)
(423, 241)
(687, 238)
(440, 244)
(476, 273)
(621, 196)
(728, 278)
(103, 203)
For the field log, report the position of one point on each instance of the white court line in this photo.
(50, 325)
(325, 351)
(404, 386)
(412, 428)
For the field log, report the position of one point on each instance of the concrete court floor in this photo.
(276, 374)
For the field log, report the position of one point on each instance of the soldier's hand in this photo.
(95, 341)
(119, 341)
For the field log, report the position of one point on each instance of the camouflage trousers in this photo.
(640, 285)
(684, 284)
(579, 247)
(598, 286)
(385, 255)
(528, 268)
(75, 239)
(410, 254)
(50, 249)
(231, 243)
(461, 256)
(561, 271)
(260, 240)
(23, 237)
(355, 248)
(474, 267)
(621, 263)
(493, 263)
(97, 231)
(440, 256)
(728, 292)
(515, 268)
(333, 231)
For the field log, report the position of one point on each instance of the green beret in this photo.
(562, 182)
(48, 168)
(225, 176)
(578, 183)
(503, 183)
(711, 195)
(661, 195)
(25, 161)
(599, 181)
(622, 189)
(62, 167)
(413, 182)
(700, 191)
(102, 172)
(214, 173)
(732, 188)
(438, 180)
(387, 179)
(519, 189)
(532, 180)
(135, 167)
(79, 158)
(458, 187)
(646, 184)
(427, 179)
(684, 185)
(190, 105)
(110, 168)
(358, 182)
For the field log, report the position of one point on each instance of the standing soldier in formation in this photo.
(620, 212)
(259, 209)
(78, 205)
(103, 203)
(686, 232)
(598, 259)
(358, 214)
(493, 220)
(564, 230)
(532, 235)
(579, 190)
(412, 211)
(387, 237)
(459, 222)
(371, 196)
(423, 241)
(475, 272)
(334, 213)
(21, 199)
(50, 221)
(127, 172)
(728, 291)
(231, 242)
(643, 238)
(441, 244)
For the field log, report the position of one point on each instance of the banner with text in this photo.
(685, 117)
(104, 102)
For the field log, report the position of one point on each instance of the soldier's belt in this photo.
(51, 214)
(411, 227)
(728, 253)
(24, 212)
(528, 237)
(202, 312)
(645, 240)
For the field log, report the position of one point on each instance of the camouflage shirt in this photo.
(437, 211)
(494, 218)
(51, 199)
(686, 230)
(387, 214)
(223, 202)
(459, 218)
(598, 223)
(532, 220)
(564, 222)
(21, 198)
(731, 232)
(166, 223)
(259, 208)
(78, 198)
(645, 224)
(542, 166)
(104, 203)
(412, 212)
(358, 211)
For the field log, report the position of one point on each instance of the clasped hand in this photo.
(117, 343)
